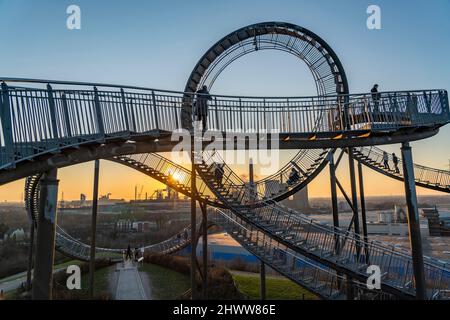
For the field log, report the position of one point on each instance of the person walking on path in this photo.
(386, 160)
(395, 160)
(201, 105)
(129, 255)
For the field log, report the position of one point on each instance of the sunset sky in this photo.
(157, 44)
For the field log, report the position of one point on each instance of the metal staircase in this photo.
(335, 248)
(425, 177)
(276, 187)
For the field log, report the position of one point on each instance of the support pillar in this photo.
(251, 180)
(30, 256)
(93, 229)
(45, 239)
(350, 289)
(351, 163)
(362, 199)
(413, 221)
(193, 222)
(334, 201)
(262, 281)
(205, 252)
(334, 205)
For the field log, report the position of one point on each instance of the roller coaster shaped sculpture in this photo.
(52, 124)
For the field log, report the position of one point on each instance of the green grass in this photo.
(55, 267)
(101, 283)
(11, 295)
(277, 288)
(165, 284)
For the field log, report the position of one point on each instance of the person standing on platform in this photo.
(201, 105)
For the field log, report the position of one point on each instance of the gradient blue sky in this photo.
(157, 43)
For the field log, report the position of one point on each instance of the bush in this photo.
(220, 282)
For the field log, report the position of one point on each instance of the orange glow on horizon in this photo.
(120, 181)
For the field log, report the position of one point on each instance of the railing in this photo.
(308, 273)
(328, 244)
(424, 175)
(175, 175)
(317, 278)
(307, 163)
(55, 114)
(75, 248)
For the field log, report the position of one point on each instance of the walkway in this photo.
(129, 283)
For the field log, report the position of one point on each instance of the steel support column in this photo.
(351, 164)
(413, 221)
(362, 199)
(205, 251)
(334, 201)
(93, 229)
(350, 289)
(262, 281)
(45, 239)
(30, 255)
(193, 222)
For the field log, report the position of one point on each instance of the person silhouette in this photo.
(395, 160)
(375, 97)
(386, 160)
(293, 176)
(129, 255)
(201, 105)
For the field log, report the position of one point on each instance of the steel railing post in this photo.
(66, 115)
(155, 113)
(52, 107)
(442, 99)
(124, 109)
(6, 121)
(98, 113)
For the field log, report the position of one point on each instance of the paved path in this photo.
(129, 283)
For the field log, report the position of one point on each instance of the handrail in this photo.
(425, 176)
(118, 86)
(38, 121)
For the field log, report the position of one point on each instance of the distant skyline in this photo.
(156, 44)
